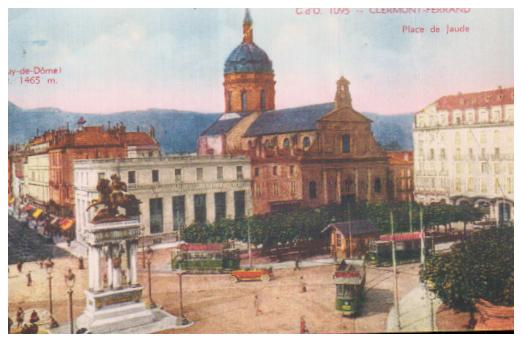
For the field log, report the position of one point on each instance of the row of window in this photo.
(200, 209)
(347, 184)
(458, 154)
(178, 175)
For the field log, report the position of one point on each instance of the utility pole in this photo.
(249, 247)
(350, 229)
(396, 287)
(421, 219)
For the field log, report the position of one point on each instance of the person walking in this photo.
(10, 324)
(19, 266)
(297, 262)
(256, 306)
(29, 279)
(34, 317)
(80, 263)
(19, 317)
(302, 326)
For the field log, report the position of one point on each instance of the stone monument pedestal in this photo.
(114, 310)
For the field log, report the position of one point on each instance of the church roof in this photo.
(220, 127)
(296, 119)
(248, 57)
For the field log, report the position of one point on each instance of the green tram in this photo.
(349, 280)
(205, 258)
(407, 249)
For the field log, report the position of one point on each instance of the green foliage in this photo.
(306, 224)
(480, 267)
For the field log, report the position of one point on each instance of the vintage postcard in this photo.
(296, 170)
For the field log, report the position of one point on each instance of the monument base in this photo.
(114, 310)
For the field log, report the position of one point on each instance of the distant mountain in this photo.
(176, 131)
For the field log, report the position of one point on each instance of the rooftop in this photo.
(496, 97)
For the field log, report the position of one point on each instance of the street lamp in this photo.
(49, 268)
(149, 252)
(181, 319)
(430, 287)
(69, 282)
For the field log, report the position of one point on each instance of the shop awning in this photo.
(28, 207)
(66, 224)
(37, 213)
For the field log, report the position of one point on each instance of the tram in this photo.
(349, 280)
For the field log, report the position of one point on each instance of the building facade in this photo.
(400, 175)
(463, 151)
(307, 156)
(174, 191)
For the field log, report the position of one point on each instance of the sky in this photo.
(113, 60)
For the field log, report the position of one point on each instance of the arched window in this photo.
(377, 186)
(262, 100)
(346, 143)
(312, 189)
(243, 101)
(286, 143)
(306, 142)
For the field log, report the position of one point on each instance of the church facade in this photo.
(301, 157)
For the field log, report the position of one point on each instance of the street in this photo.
(217, 305)
(27, 245)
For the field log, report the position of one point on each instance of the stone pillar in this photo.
(189, 209)
(109, 267)
(95, 264)
(211, 207)
(133, 257)
(231, 210)
(91, 267)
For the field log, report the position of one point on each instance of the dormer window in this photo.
(306, 142)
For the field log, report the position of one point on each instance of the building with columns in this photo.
(306, 156)
(463, 151)
(175, 191)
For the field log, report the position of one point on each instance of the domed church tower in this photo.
(249, 77)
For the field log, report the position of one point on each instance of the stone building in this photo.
(175, 191)
(400, 175)
(463, 151)
(91, 142)
(306, 156)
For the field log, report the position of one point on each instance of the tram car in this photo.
(349, 280)
(205, 258)
(407, 248)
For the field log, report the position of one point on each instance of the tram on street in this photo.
(205, 258)
(349, 280)
(407, 248)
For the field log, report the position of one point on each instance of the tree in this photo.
(479, 267)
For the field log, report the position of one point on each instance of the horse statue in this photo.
(113, 195)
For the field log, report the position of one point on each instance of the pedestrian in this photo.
(19, 266)
(41, 263)
(302, 326)
(10, 324)
(80, 263)
(256, 306)
(297, 261)
(29, 279)
(34, 317)
(303, 284)
(19, 317)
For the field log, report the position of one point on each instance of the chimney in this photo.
(342, 96)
